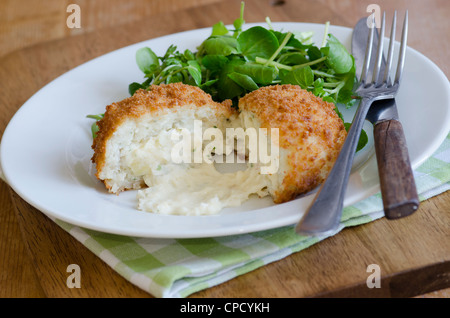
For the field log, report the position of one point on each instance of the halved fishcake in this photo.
(135, 137)
(311, 134)
(135, 147)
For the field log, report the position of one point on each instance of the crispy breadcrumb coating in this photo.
(311, 135)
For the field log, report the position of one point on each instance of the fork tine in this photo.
(366, 64)
(376, 72)
(401, 59)
(387, 70)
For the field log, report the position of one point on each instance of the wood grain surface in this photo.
(413, 253)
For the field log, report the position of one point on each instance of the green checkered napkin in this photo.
(179, 267)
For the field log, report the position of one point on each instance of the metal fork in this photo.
(324, 214)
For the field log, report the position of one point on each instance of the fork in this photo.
(324, 214)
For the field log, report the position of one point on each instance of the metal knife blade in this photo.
(397, 183)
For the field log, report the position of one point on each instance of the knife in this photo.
(397, 183)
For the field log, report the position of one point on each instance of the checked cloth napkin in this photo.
(176, 268)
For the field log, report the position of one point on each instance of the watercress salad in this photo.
(232, 62)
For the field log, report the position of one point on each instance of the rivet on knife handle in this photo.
(397, 183)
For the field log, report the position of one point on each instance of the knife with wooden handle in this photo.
(397, 184)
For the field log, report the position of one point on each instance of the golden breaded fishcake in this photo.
(311, 135)
(133, 139)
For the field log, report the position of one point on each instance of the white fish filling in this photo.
(199, 190)
(188, 188)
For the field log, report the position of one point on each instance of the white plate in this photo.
(46, 148)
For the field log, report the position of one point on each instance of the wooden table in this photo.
(413, 253)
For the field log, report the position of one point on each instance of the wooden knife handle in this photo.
(398, 188)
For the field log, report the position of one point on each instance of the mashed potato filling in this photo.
(187, 188)
(199, 190)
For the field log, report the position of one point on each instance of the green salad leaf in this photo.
(232, 62)
(257, 42)
(146, 59)
(338, 57)
(303, 77)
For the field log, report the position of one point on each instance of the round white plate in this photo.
(46, 148)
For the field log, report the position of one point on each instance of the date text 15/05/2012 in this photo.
(228, 307)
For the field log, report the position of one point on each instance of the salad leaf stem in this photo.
(282, 45)
(336, 89)
(310, 63)
(322, 74)
(332, 84)
(161, 80)
(96, 117)
(266, 62)
(239, 21)
(324, 40)
(269, 23)
(263, 61)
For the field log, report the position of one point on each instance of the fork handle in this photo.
(397, 183)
